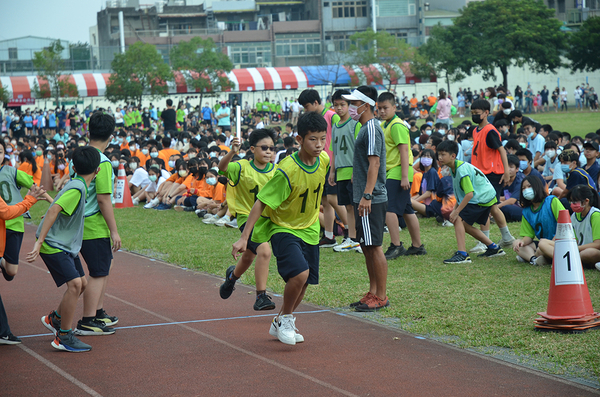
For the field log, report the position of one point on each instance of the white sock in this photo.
(487, 233)
(505, 233)
(329, 235)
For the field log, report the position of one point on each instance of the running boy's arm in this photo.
(235, 147)
(49, 220)
(12, 211)
(253, 217)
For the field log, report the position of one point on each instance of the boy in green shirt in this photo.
(292, 199)
(475, 196)
(59, 237)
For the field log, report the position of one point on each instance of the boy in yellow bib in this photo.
(292, 199)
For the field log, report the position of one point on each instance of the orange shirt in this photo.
(39, 160)
(432, 100)
(414, 102)
(223, 147)
(416, 184)
(219, 193)
(485, 158)
(28, 169)
(205, 190)
(10, 212)
(174, 177)
(165, 154)
(143, 158)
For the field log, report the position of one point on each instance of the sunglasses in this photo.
(265, 148)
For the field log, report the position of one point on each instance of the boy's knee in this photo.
(76, 284)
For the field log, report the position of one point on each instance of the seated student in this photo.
(590, 151)
(429, 181)
(509, 202)
(551, 165)
(443, 201)
(512, 146)
(187, 200)
(475, 196)
(29, 166)
(503, 128)
(540, 215)
(586, 225)
(148, 192)
(139, 178)
(163, 191)
(569, 164)
(525, 165)
(180, 186)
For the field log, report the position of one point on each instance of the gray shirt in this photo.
(369, 142)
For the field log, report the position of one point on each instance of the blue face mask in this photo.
(430, 123)
(531, 135)
(565, 168)
(523, 165)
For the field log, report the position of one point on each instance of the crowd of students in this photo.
(352, 167)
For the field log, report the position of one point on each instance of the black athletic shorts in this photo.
(495, 181)
(252, 246)
(13, 246)
(329, 189)
(97, 254)
(295, 256)
(369, 228)
(474, 213)
(63, 267)
(345, 193)
(399, 200)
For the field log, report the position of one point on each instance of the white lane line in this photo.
(62, 373)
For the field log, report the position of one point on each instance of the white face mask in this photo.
(506, 111)
(154, 155)
(171, 163)
(550, 153)
(450, 137)
(133, 166)
(183, 173)
(211, 181)
(145, 152)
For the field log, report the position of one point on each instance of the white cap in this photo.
(356, 95)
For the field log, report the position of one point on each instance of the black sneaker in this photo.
(492, 252)
(93, 327)
(51, 322)
(395, 251)
(9, 339)
(327, 242)
(69, 343)
(109, 321)
(458, 259)
(6, 276)
(264, 302)
(189, 209)
(201, 213)
(228, 285)
(439, 219)
(412, 250)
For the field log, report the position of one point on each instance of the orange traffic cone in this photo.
(46, 180)
(569, 304)
(122, 194)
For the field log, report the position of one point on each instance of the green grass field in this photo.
(488, 305)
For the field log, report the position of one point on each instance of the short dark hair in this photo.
(500, 123)
(166, 142)
(550, 144)
(102, 126)
(515, 113)
(448, 147)
(169, 102)
(288, 142)
(387, 96)
(514, 160)
(524, 152)
(86, 160)
(337, 96)
(260, 134)
(539, 191)
(547, 128)
(568, 155)
(309, 96)
(480, 104)
(311, 122)
(222, 138)
(435, 141)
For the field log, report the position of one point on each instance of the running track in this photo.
(176, 337)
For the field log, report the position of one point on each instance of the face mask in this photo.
(523, 145)
(550, 153)
(185, 140)
(49, 156)
(531, 135)
(115, 163)
(152, 178)
(171, 164)
(506, 111)
(154, 155)
(577, 207)
(426, 161)
(427, 132)
(39, 152)
(477, 119)
(242, 155)
(446, 171)
(183, 173)
(523, 165)
(9, 150)
(61, 167)
(120, 140)
(132, 166)
(145, 152)
(450, 137)
(213, 154)
(565, 168)
(580, 147)
(528, 194)
(442, 131)
(353, 112)
(211, 181)
(500, 101)
(220, 157)
(429, 123)
(191, 155)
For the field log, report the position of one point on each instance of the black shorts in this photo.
(369, 228)
(345, 193)
(63, 267)
(474, 213)
(295, 256)
(190, 201)
(328, 189)
(544, 102)
(495, 181)
(433, 209)
(252, 246)
(225, 127)
(13, 246)
(97, 254)
(399, 200)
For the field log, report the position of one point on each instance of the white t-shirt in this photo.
(140, 178)
(563, 95)
(260, 125)
(278, 155)
(118, 118)
(295, 107)
(153, 186)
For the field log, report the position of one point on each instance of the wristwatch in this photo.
(367, 196)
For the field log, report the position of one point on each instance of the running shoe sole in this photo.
(48, 325)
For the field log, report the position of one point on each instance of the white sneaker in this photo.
(506, 243)
(221, 222)
(286, 329)
(209, 215)
(480, 247)
(346, 246)
(211, 220)
(152, 203)
(519, 259)
(135, 201)
(598, 266)
(232, 223)
(273, 331)
(447, 224)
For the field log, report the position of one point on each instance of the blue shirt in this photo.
(154, 114)
(28, 121)
(536, 144)
(593, 171)
(206, 113)
(579, 177)
(52, 121)
(225, 121)
(514, 189)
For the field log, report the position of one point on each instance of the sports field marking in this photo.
(62, 373)
(188, 322)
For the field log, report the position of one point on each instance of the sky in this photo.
(57, 19)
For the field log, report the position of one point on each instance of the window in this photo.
(561, 6)
(551, 4)
(249, 54)
(326, 4)
(13, 54)
(349, 9)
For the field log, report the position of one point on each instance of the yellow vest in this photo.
(247, 187)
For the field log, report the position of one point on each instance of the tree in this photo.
(495, 34)
(583, 52)
(382, 48)
(81, 56)
(436, 57)
(54, 83)
(138, 71)
(202, 65)
(5, 94)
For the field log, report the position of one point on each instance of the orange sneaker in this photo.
(373, 304)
